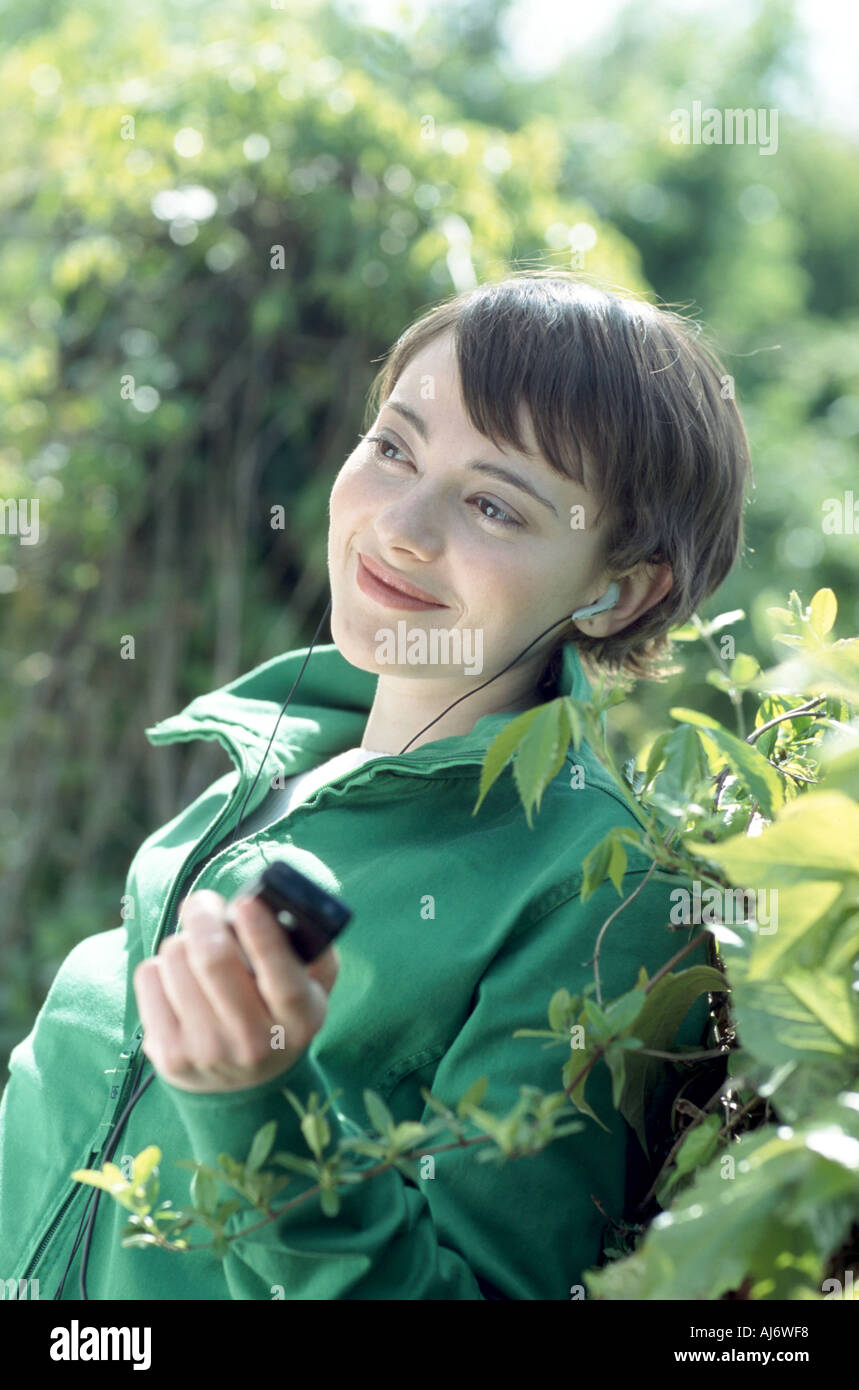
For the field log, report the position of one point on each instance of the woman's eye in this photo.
(501, 518)
(379, 440)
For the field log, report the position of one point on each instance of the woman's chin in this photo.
(359, 648)
(364, 653)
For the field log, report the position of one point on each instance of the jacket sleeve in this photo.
(524, 1228)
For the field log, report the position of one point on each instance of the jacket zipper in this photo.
(33, 1262)
(92, 1161)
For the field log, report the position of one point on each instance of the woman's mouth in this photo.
(388, 595)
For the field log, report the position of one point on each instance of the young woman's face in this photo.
(502, 556)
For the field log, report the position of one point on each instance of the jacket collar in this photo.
(327, 714)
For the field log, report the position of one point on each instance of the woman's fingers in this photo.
(325, 968)
(294, 998)
(226, 1002)
(223, 978)
(202, 1038)
(162, 1031)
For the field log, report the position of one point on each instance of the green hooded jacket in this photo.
(463, 928)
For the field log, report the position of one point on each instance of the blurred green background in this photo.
(167, 375)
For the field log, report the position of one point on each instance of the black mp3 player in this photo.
(311, 917)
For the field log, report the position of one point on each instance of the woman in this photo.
(541, 449)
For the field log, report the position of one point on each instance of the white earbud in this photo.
(602, 605)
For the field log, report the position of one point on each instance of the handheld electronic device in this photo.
(310, 916)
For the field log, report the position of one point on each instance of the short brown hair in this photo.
(633, 387)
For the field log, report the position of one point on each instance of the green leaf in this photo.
(540, 755)
(783, 615)
(106, 1181)
(617, 864)
(204, 1191)
(777, 1026)
(574, 719)
(798, 1088)
(723, 620)
(830, 998)
(767, 741)
(804, 1017)
(840, 768)
(145, 1162)
(600, 1026)
(800, 914)
(329, 1200)
(473, 1096)
(261, 1147)
(759, 776)
(623, 1012)
(814, 837)
(744, 668)
(595, 867)
(377, 1148)
(615, 1059)
(655, 756)
(407, 1134)
(224, 1210)
(380, 1116)
(558, 1008)
(316, 1131)
(693, 716)
(220, 1246)
(571, 1068)
(697, 1148)
(664, 1009)
(685, 765)
(305, 1166)
(823, 612)
(138, 1242)
(501, 750)
(699, 1144)
(434, 1102)
(294, 1102)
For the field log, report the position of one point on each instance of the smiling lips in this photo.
(389, 588)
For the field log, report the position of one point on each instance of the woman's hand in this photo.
(211, 1013)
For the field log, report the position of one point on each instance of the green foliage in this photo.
(770, 1209)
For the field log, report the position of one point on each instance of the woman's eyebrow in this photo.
(495, 470)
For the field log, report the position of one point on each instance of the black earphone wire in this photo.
(469, 693)
(137, 1091)
(140, 1089)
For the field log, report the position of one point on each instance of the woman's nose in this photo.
(411, 523)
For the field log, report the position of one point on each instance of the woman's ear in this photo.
(640, 590)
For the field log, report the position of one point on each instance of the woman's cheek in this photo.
(351, 498)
